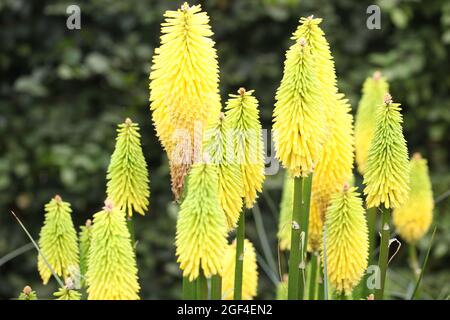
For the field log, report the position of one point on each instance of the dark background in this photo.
(62, 92)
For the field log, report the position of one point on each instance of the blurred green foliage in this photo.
(62, 92)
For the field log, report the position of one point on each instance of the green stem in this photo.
(320, 287)
(202, 287)
(188, 289)
(216, 287)
(372, 226)
(413, 260)
(294, 256)
(130, 225)
(240, 234)
(313, 276)
(384, 252)
(304, 223)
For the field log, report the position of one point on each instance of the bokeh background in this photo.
(62, 93)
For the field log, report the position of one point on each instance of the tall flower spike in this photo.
(299, 118)
(347, 245)
(373, 92)
(250, 272)
(413, 219)
(242, 117)
(112, 271)
(183, 86)
(201, 227)
(68, 292)
(58, 241)
(387, 170)
(335, 164)
(85, 237)
(219, 147)
(127, 172)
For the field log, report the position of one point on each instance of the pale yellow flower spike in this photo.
(183, 86)
(242, 117)
(335, 164)
(299, 119)
(413, 219)
(250, 272)
(347, 245)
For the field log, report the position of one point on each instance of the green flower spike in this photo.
(201, 238)
(387, 171)
(112, 270)
(242, 116)
(128, 182)
(218, 140)
(58, 241)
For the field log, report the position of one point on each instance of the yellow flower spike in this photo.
(387, 169)
(310, 30)
(347, 244)
(250, 272)
(218, 141)
(299, 117)
(373, 92)
(183, 86)
(127, 174)
(201, 237)
(413, 219)
(242, 117)
(112, 270)
(335, 164)
(58, 241)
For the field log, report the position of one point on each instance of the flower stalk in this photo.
(384, 252)
(240, 235)
(294, 256)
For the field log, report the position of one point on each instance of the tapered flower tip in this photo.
(27, 290)
(27, 294)
(185, 7)
(376, 75)
(109, 205)
(413, 219)
(88, 223)
(249, 273)
(302, 42)
(57, 198)
(347, 240)
(201, 227)
(387, 169)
